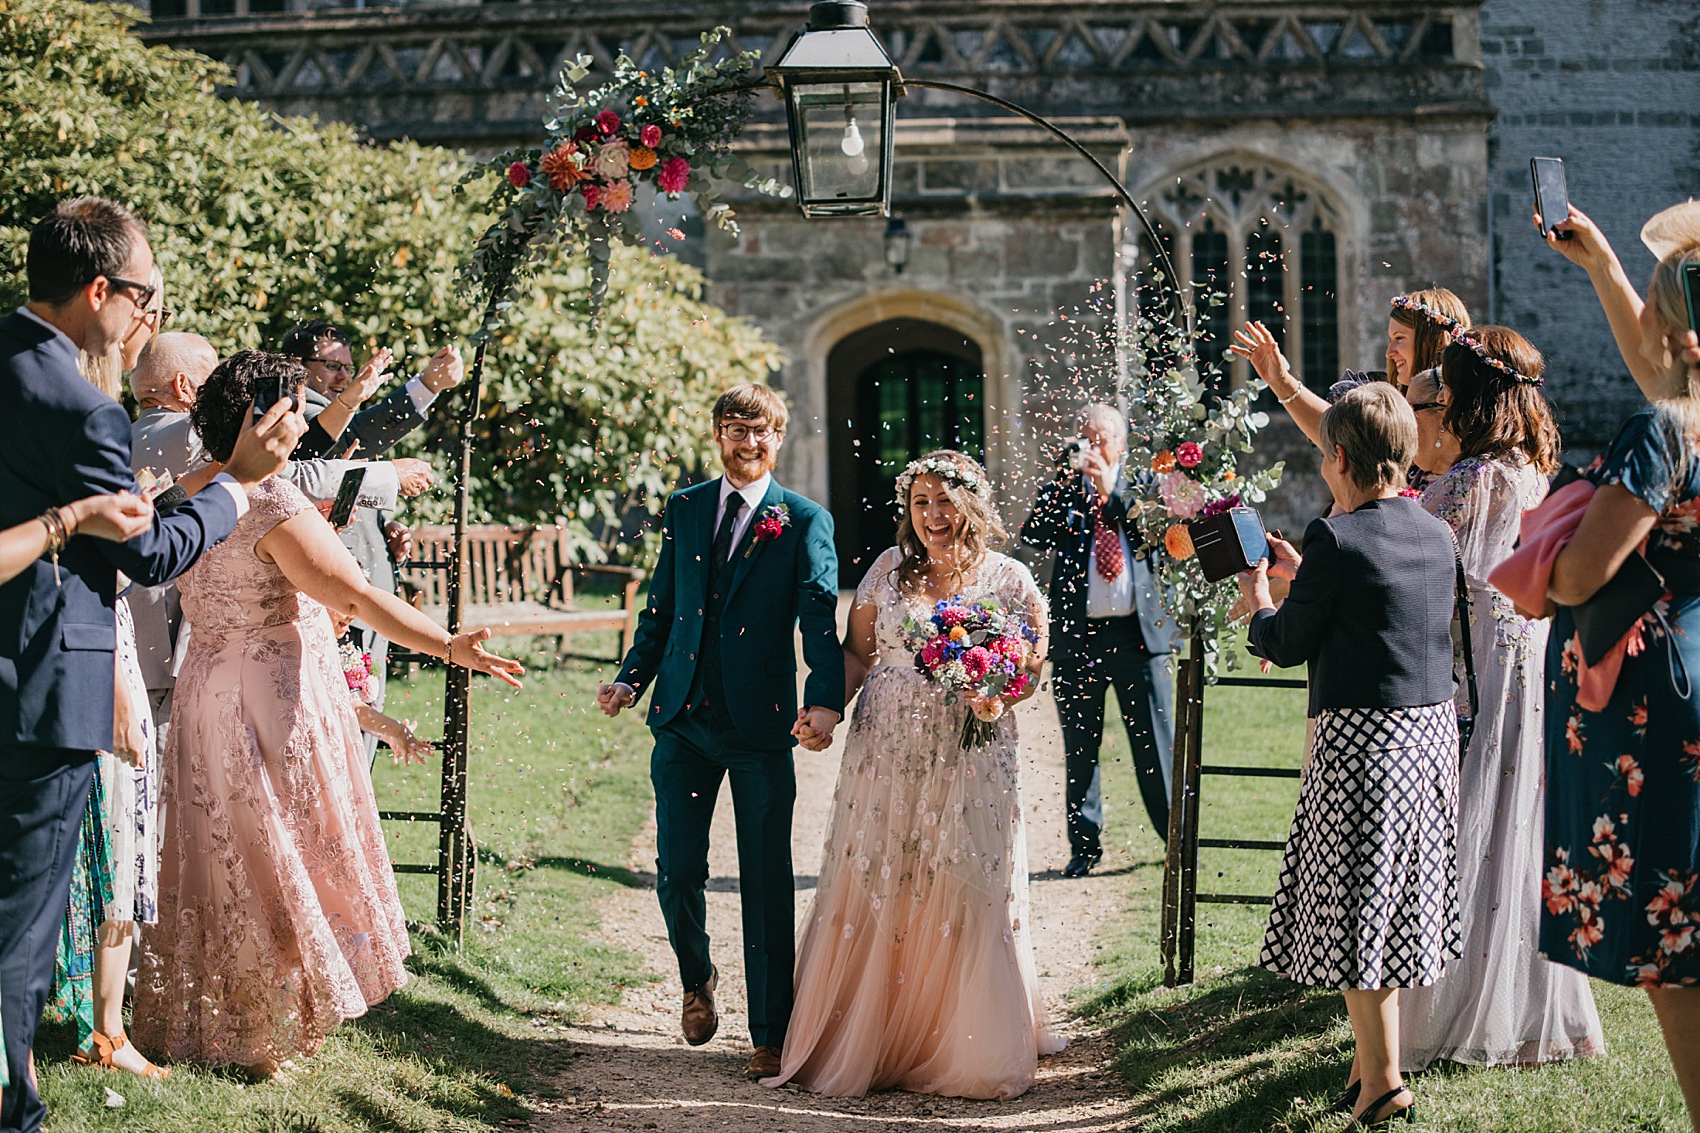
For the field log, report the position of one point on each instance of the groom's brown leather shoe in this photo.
(765, 1063)
(699, 1020)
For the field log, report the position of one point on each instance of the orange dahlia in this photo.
(1177, 540)
(1163, 462)
(641, 157)
(561, 166)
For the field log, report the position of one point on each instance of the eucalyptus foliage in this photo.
(260, 222)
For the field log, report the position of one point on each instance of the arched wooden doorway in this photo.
(895, 390)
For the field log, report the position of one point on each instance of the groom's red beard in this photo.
(749, 469)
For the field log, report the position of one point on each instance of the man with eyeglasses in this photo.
(744, 565)
(60, 440)
(335, 394)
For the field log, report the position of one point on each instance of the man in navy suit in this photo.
(60, 440)
(1108, 628)
(745, 564)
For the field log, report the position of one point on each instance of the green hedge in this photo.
(259, 222)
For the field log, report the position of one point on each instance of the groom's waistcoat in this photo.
(732, 637)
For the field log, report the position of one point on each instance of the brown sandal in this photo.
(103, 1048)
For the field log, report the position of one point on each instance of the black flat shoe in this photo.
(1368, 1120)
(1348, 1099)
(1081, 864)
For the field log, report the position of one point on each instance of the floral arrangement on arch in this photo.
(1191, 440)
(671, 129)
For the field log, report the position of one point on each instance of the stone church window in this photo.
(1252, 242)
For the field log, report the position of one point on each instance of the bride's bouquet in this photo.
(973, 648)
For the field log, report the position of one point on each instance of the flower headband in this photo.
(1463, 339)
(950, 471)
(1447, 323)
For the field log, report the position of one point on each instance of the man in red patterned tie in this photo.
(1108, 628)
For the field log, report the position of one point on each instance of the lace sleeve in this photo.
(1483, 502)
(878, 574)
(1018, 591)
(271, 502)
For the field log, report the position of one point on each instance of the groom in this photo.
(743, 563)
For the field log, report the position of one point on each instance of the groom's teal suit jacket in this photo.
(776, 587)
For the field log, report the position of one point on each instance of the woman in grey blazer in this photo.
(1368, 899)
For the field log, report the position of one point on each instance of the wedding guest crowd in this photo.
(1561, 839)
(140, 640)
(1501, 797)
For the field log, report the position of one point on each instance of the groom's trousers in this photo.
(1112, 652)
(43, 793)
(693, 753)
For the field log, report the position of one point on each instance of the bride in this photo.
(916, 965)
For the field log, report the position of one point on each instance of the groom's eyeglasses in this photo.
(738, 434)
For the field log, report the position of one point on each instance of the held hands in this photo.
(264, 446)
(129, 738)
(471, 655)
(445, 371)
(814, 726)
(116, 518)
(611, 698)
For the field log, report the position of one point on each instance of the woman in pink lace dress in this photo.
(278, 911)
(916, 966)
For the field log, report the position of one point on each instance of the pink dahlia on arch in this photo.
(1189, 455)
(612, 160)
(674, 176)
(650, 136)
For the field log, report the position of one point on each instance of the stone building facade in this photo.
(1306, 159)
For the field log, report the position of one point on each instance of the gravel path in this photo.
(636, 1072)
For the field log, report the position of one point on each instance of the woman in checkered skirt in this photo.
(1368, 899)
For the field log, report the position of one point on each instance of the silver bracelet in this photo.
(1290, 396)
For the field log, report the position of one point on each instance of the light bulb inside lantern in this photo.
(852, 144)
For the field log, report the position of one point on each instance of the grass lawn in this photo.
(1244, 1050)
(557, 794)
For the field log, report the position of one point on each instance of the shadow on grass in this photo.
(1234, 1053)
(478, 1059)
(599, 871)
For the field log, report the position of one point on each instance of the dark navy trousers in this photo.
(43, 792)
(693, 754)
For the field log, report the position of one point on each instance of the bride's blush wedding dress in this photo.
(916, 964)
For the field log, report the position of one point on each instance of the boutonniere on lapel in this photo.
(770, 524)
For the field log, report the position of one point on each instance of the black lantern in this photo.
(839, 86)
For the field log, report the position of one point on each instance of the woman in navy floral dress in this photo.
(1620, 892)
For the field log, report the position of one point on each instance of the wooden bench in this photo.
(519, 581)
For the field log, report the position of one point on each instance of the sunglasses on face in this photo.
(1425, 406)
(144, 292)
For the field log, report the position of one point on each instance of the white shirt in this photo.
(419, 395)
(1106, 598)
(752, 494)
(224, 479)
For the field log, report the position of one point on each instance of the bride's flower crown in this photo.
(950, 471)
(1447, 323)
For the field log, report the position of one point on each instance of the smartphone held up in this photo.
(1552, 196)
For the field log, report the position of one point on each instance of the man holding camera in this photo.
(1108, 627)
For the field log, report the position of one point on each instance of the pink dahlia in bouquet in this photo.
(973, 648)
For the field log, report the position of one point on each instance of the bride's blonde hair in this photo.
(966, 485)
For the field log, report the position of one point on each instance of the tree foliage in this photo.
(259, 222)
